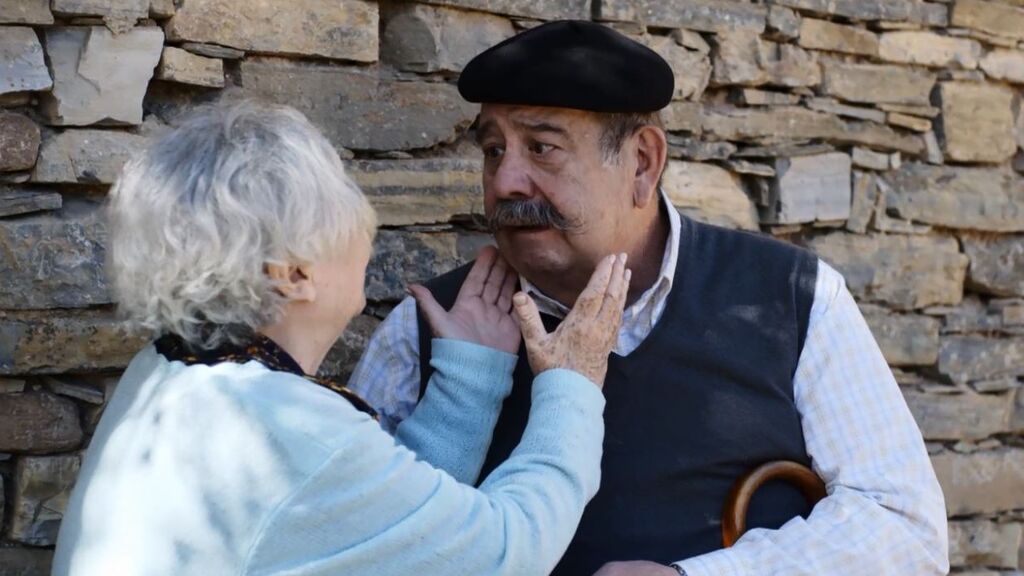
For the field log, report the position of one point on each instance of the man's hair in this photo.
(617, 126)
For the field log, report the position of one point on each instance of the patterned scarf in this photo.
(261, 349)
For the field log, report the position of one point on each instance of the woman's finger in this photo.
(611, 310)
(474, 284)
(495, 280)
(613, 292)
(530, 323)
(434, 312)
(589, 301)
(508, 288)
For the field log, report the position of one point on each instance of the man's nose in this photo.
(512, 177)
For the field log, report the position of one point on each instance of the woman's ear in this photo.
(651, 155)
(293, 282)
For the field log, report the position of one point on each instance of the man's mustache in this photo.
(528, 214)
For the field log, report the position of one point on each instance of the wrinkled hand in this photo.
(584, 339)
(481, 313)
(637, 568)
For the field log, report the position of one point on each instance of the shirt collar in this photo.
(663, 285)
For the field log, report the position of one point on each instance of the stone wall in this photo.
(886, 135)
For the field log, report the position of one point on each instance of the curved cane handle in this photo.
(734, 516)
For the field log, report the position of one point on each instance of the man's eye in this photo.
(540, 148)
(493, 151)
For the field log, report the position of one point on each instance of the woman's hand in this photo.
(584, 339)
(482, 310)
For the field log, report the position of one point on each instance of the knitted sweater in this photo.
(236, 469)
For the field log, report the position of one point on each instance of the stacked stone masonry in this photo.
(886, 135)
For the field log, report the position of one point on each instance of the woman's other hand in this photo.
(584, 339)
(482, 310)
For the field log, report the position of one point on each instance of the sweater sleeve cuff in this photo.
(584, 392)
(489, 366)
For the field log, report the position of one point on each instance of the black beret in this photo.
(570, 64)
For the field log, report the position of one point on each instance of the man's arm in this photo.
(388, 374)
(884, 513)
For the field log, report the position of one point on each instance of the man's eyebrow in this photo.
(482, 130)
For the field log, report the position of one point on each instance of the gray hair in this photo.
(197, 216)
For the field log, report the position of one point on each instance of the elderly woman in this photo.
(239, 240)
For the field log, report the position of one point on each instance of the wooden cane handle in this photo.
(734, 517)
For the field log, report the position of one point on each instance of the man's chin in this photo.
(533, 249)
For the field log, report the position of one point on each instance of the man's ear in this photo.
(651, 155)
(293, 282)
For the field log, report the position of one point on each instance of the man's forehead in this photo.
(505, 116)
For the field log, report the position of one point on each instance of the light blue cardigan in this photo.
(234, 469)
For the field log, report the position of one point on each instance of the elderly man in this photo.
(734, 349)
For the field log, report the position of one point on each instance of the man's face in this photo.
(555, 203)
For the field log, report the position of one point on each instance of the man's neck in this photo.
(645, 260)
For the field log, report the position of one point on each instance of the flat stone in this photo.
(83, 392)
(359, 110)
(984, 543)
(343, 356)
(22, 67)
(865, 195)
(779, 124)
(19, 142)
(85, 156)
(11, 385)
(25, 561)
(787, 150)
(965, 416)
(1005, 65)
(710, 194)
(824, 35)
(161, 9)
(906, 272)
(909, 122)
(177, 65)
(54, 260)
(119, 15)
(929, 49)
(342, 29)
(751, 168)
(867, 158)
(80, 343)
(691, 68)
(422, 38)
(1017, 420)
(997, 264)
(877, 84)
(981, 483)
(539, 9)
(989, 17)
(213, 51)
(968, 358)
(831, 106)
(755, 97)
(424, 191)
(977, 122)
(401, 258)
(681, 116)
(99, 77)
(990, 199)
(699, 150)
(39, 423)
(743, 57)
(810, 188)
(905, 339)
(910, 110)
(783, 23)
(16, 202)
(893, 10)
(716, 16)
(25, 12)
(41, 486)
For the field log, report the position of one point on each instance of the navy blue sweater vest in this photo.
(706, 397)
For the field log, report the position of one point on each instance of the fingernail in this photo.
(629, 274)
(519, 299)
(624, 257)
